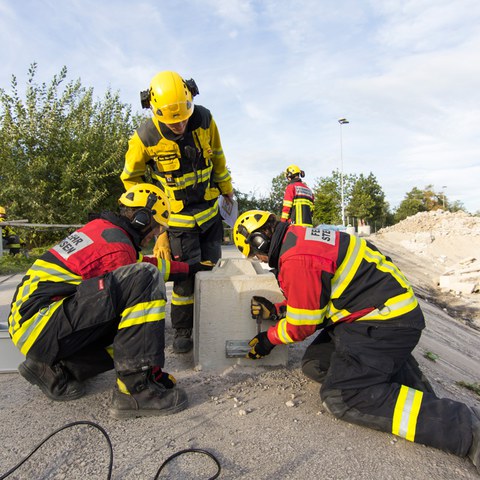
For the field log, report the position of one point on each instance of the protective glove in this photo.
(161, 250)
(261, 346)
(260, 306)
(163, 378)
(204, 266)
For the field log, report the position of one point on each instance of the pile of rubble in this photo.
(439, 222)
(449, 240)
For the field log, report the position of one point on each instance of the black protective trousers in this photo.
(362, 367)
(192, 246)
(79, 332)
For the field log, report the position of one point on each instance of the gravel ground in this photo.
(260, 423)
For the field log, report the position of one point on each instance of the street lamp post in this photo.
(342, 121)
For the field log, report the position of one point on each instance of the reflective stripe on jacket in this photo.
(298, 204)
(92, 251)
(329, 276)
(191, 169)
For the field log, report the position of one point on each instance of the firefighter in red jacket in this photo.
(94, 302)
(369, 321)
(298, 199)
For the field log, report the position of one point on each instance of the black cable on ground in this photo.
(81, 422)
(110, 466)
(190, 450)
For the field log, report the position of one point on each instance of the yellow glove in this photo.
(263, 308)
(161, 250)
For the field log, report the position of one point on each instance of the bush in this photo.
(11, 264)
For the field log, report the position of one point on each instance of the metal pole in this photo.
(443, 195)
(342, 121)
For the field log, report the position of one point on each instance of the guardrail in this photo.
(26, 224)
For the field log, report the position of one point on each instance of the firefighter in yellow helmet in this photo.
(180, 148)
(298, 199)
(10, 240)
(94, 294)
(366, 321)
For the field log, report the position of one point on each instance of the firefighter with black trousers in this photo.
(369, 321)
(181, 150)
(298, 199)
(94, 302)
(10, 240)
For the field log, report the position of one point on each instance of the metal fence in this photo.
(26, 224)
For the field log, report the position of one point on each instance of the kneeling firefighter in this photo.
(94, 302)
(369, 321)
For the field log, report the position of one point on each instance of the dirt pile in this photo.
(447, 247)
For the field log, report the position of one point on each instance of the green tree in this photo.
(327, 208)
(277, 192)
(61, 151)
(413, 202)
(271, 202)
(367, 201)
(425, 200)
(328, 198)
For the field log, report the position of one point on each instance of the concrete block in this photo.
(222, 312)
(364, 230)
(455, 283)
(10, 356)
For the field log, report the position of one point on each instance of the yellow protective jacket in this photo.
(190, 169)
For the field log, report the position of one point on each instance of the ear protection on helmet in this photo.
(142, 218)
(259, 242)
(145, 95)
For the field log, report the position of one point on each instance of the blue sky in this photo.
(278, 74)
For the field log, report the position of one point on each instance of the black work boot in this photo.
(474, 452)
(54, 381)
(138, 395)
(182, 342)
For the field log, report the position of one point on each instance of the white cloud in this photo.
(277, 75)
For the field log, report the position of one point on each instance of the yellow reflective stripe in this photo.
(54, 273)
(335, 315)
(187, 180)
(164, 268)
(189, 221)
(38, 272)
(386, 266)
(109, 350)
(144, 312)
(405, 415)
(181, 221)
(394, 307)
(221, 177)
(282, 331)
(207, 214)
(298, 316)
(287, 203)
(132, 173)
(122, 387)
(30, 329)
(347, 269)
(179, 300)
